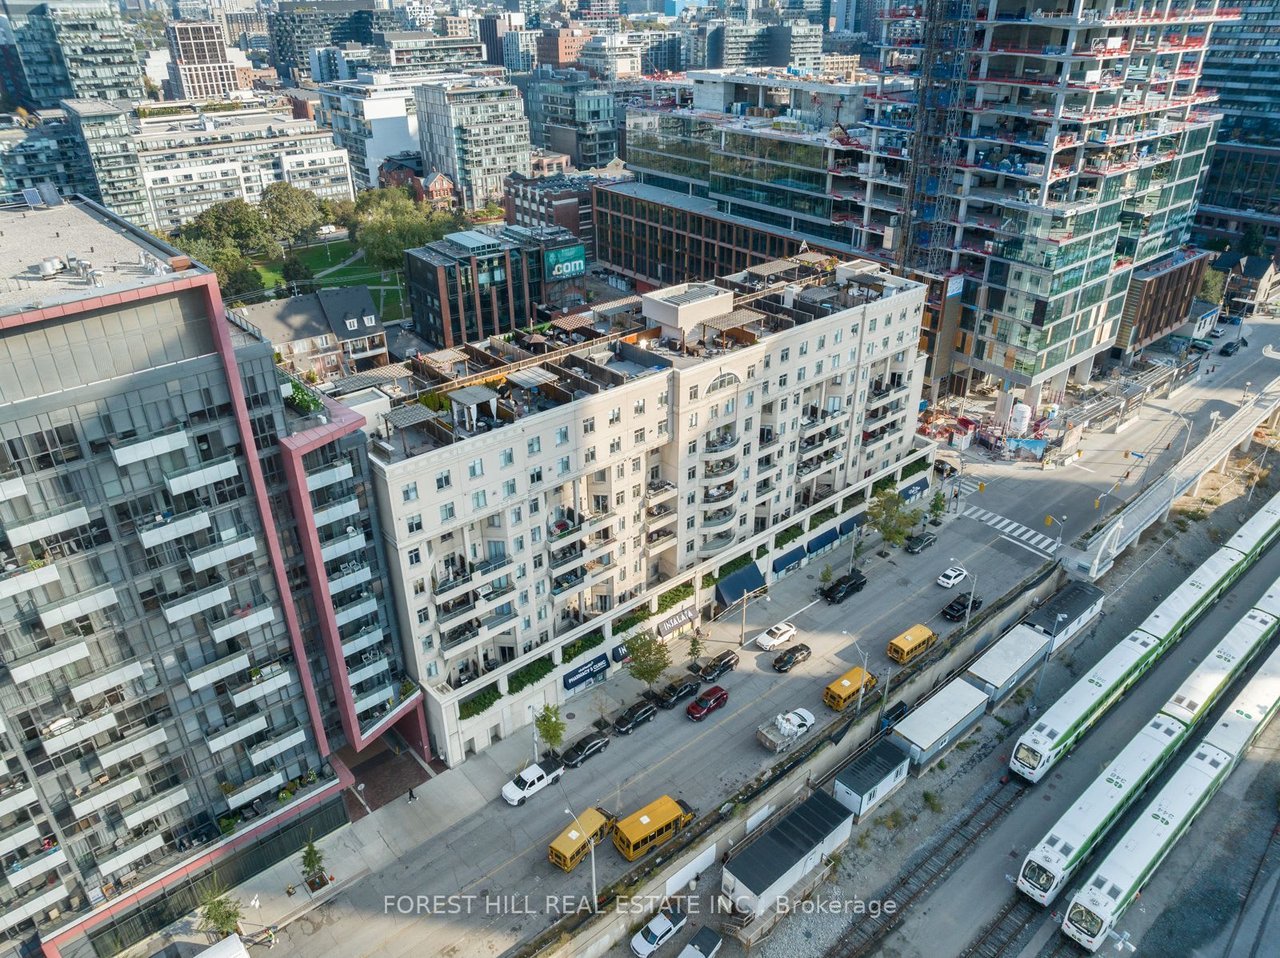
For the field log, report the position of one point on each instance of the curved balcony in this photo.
(721, 444)
(719, 469)
(719, 493)
(719, 517)
(715, 544)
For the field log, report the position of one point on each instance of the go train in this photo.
(1064, 723)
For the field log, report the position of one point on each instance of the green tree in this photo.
(312, 860)
(550, 726)
(291, 215)
(296, 271)
(236, 275)
(695, 647)
(826, 575)
(1213, 286)
(649, 657)
(339, 213)
(1252, 241)
(937, 505)
(219, 912)
(233, 223)
(888, 514)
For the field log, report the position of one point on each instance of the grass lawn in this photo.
(318, 257)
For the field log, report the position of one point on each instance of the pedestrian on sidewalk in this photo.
(412, 797)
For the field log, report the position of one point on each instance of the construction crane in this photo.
(941, 79)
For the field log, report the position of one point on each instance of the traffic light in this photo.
(1097, 503)
(1048, 520)
(1126, 453)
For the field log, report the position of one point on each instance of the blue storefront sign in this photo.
(586, 672)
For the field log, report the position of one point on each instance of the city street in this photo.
(461, 838)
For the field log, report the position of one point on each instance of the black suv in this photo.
(957, 607)
(678, 691)
(917, 544)
(591, 744)
(726, 661)
(634, 717)
(844, 587)
(1230, 349)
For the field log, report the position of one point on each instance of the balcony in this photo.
(371, 664)
(20, 532)
(343, 545)
(231, 734)
(565, 583)
(128, 452)
(32, 867)
(382, 695)
(241, 622)
(360, 607)
(35, 902)
(655, 542)
(102, 796)
(597, 521)
(11, 839)
(721, 444)
(81, 605)
(450, 612)
(143, 812)
(463, 634)
(203, 560)
(349, 575)
(26, 578)
(336, 511)
(16, 797)
(47, 660)
(657, 516)
(121, 858)
(200, 475)
(12, 487)
(364, 639)
(716, 543)
(564, 525)
(261, 754)
(329, 475)
(569, 554)
(202, 601)
(718, 517)
(719, 493)
(69, 731)
(107, 681)
(659, 491)
(217, 670)
(166, 528)
(263, 784)
(271, 679)
(495, 621)
(716, 470)
(133, 746)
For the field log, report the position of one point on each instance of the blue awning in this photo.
(737, 584)
(852, 523)
(916, 488)
(787, 560)
(822, 540)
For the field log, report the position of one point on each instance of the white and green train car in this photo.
(1094, 910)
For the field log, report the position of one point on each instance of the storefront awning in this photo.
(737, 584)
(852, 523)
(822, 540)
(787, 560)
(916, 489)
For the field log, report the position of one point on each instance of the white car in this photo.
(778, 636)
(531, 781)
(661, 928)
(953, 577)
(1217, 332)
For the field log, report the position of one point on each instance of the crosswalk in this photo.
(1013, 531)
(969, 486)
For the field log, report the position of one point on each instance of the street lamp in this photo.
(746, 601)
(591, 846)
(1060, 522)
(863, 684)
(1245, 395)
(973, 590)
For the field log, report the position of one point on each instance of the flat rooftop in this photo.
(119, 256)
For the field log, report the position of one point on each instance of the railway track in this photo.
(1006, 929)
(863, 936)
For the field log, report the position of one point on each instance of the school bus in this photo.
(654, 825)
(911, 644)
(845, 689)
(572, 844)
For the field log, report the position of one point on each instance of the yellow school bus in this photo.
(911, 644)
(572, 844)
(655, 824)
(845, 689)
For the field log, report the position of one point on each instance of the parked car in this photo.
(584, 748)
(726, 661)
(660, 929)
(843, 587)
(778, 635)
(953, 576)
(634, 717)
(676, 692)
(917, 544)
(945, 469)
(962, 605)
(789, 658)
(1217, 332)
(1230, 349)
(706, 703)
(531, 781)
(705, 944)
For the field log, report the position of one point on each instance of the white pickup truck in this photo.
(531, 781)
(782, 731)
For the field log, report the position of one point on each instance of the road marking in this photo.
(1023, 545)
(1015, 532)
(1078, 466)
(1028, 534)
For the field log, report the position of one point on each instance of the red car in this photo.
(706, 703)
